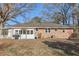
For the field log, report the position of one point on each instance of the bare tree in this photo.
(75, 14)
(12, 10)
(62, 10)
(9, 11)
(57, 17)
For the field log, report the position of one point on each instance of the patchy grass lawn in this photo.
(28, 48)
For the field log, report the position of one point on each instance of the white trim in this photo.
(37, 27)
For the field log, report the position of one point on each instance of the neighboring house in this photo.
(37, 31)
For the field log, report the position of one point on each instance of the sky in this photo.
(36, 11)
(28, 16)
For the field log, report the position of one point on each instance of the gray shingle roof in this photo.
(41, 25)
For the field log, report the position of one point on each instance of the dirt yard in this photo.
(28, 48)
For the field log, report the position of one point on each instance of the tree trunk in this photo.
(1, 29)
(68, 22)
(64, 22)
(73, 22)
(78, 21)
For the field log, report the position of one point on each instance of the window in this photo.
(36, 29)
(20, 31)
(16, 32)
(4, 32)
(28, 32)
(31, 31)
(47, 30)
(24, 31)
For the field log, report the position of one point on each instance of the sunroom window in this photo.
(24, 31)
(31, 31)
(16, 32)
(20, 31)
(4, 32)
(28, 32)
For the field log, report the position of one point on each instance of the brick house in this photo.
(35, 31)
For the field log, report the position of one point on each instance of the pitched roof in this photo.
(41, 25)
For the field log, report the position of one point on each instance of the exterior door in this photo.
(30, 34)
(16, 34)
(23, 33)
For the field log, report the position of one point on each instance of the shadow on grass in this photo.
(68, 48)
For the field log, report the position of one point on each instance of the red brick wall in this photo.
(58, 33)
